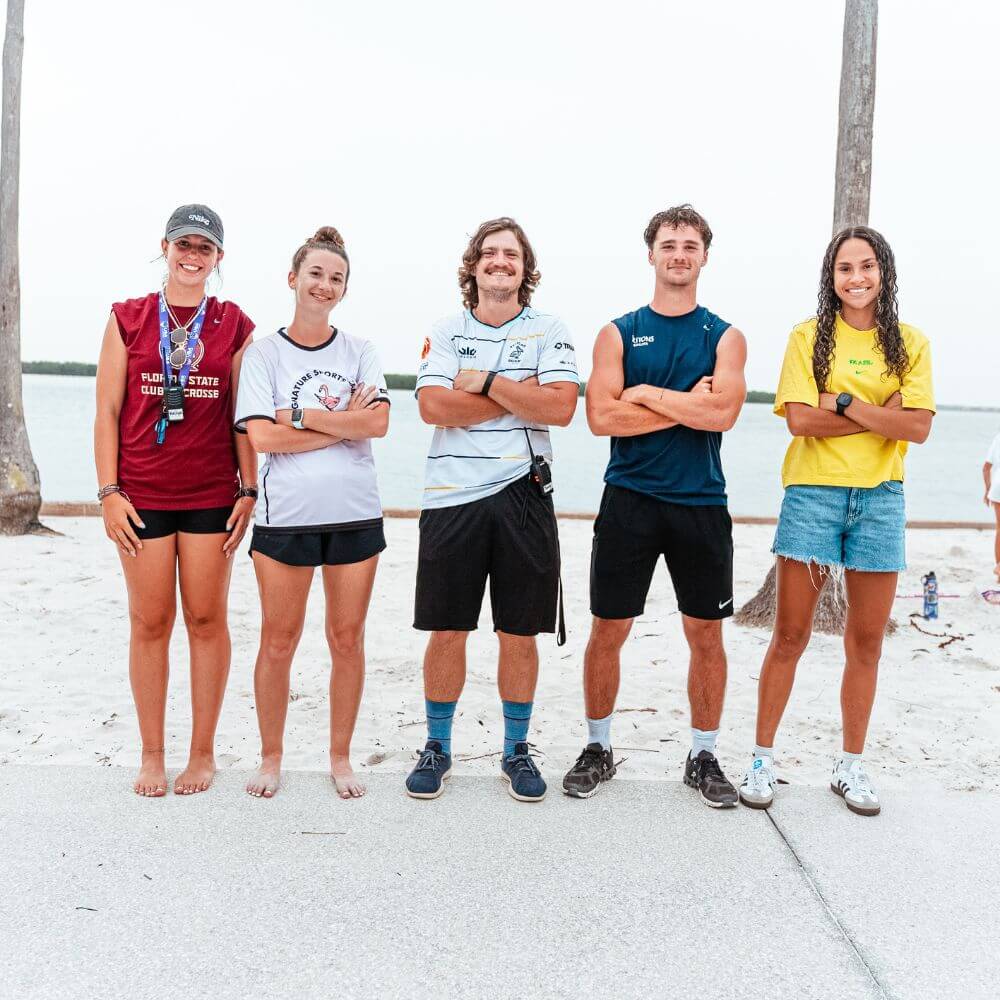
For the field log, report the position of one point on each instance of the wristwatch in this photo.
(297, 418)
(844, 400)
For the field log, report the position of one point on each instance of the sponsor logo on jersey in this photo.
(466, 352)
(860, 362)
(426, 348)
(517, 352)
(324, 397)
(341, 384)
(562, 346)
(641, 341)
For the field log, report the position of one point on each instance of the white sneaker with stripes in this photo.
(757, 787)
(852, 784)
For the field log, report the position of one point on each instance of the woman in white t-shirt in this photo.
(311, 397)
(991, 477)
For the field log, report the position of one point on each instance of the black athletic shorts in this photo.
(318, 548)
(160, 523)
(510, 537)
(633, 530)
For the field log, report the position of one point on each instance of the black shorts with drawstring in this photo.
(510, 538)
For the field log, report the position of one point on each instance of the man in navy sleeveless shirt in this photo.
(667, 381)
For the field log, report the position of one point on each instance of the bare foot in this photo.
(151, 780)
(265, 782)
(197, 776)
(348, 786)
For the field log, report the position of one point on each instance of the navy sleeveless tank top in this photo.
(678, 465)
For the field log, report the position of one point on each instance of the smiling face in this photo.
(191, 259)
(320, 282)
(857, 279)
(500, 268)
(678, 254)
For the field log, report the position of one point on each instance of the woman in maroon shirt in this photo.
(169, 472)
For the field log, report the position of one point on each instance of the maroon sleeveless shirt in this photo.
(195, 467)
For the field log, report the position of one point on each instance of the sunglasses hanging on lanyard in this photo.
(177, 350)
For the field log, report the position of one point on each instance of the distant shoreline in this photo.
(396, 381)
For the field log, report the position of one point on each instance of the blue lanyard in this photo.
(194, 332)
(166, 347)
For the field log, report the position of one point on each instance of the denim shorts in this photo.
(849, 526)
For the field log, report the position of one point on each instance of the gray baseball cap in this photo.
(194, 220)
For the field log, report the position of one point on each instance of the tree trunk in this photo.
(857, 110)
(850, 208)
(20, 489)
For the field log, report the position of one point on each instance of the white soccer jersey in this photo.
(469, 463)
(332, 488)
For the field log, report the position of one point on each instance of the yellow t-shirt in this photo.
(864, 459)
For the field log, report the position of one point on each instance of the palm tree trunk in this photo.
(852, 189)
(20, 489)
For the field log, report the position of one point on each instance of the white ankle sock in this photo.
(599, 731)
(702, 739)
(768, 752)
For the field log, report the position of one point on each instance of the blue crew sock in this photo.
(516, 716)
(440, 715)
(599, 731)
(703, 739)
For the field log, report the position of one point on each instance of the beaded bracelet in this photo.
(106, 491)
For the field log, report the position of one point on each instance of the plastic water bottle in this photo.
(930, 596)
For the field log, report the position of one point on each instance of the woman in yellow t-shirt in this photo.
(855, 388)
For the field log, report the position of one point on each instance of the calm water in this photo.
(944, 480)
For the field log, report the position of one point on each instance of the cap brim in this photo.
(174, 234)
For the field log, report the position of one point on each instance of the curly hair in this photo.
(679, 215)
(467, 272)
(888, 339)
(325, 238)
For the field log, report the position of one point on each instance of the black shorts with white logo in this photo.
(633, 530)
(510, 537)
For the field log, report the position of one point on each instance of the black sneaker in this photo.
(426, 780)
(592, 767)
(703, 772)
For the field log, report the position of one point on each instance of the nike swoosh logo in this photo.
(722, 604)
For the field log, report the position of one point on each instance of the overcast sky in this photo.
(405, 125)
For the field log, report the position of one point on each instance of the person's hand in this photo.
(239, 521)
(704, 384)
(634, 394)
(828, 401)
(363, 397)
(119, 517)
(894, 402)
(986, 499)
(471, 380)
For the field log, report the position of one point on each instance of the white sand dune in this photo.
(65, 699)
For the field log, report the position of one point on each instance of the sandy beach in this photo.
(65, 699)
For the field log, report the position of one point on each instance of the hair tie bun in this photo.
(327, 234)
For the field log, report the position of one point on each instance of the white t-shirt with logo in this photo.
(470, 463)
(993, 457)
(332, 488)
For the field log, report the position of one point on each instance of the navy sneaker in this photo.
(426, 780)
(525, 781)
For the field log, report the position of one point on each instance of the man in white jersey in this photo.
(492, 380)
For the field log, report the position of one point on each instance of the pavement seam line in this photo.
(834, 919)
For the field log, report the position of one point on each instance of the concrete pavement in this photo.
(641, 891)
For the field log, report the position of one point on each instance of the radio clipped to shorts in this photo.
(541, 474)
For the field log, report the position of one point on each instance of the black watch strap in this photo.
(485, 391)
